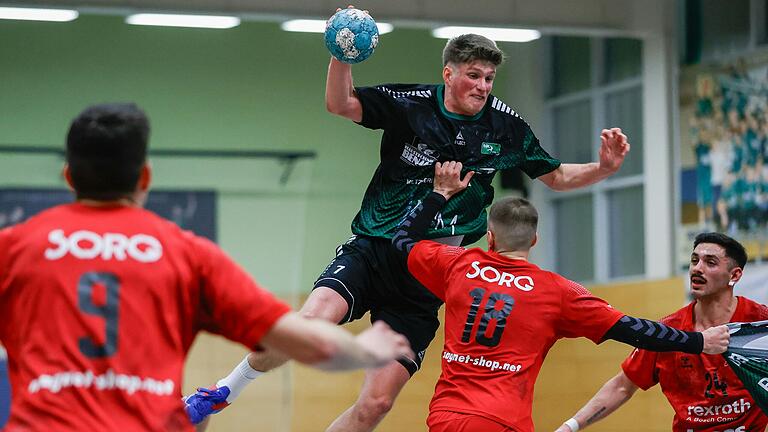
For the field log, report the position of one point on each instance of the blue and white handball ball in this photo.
(351, 35)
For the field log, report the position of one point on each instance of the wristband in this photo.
(573, 424)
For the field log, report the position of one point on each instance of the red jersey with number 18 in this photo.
(100, 306)
(501, 318)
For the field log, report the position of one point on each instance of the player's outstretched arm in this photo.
(340, 98)
(326, 346)
(613, 149)
(655, 336)
(611, 396)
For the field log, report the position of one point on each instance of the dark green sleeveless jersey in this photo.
(419, 131)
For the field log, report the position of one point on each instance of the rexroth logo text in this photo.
(737, 407)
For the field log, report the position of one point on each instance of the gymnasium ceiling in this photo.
(596, 17)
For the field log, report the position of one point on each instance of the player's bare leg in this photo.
(380, 389)
(322, 303)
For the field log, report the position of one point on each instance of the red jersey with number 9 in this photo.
(501, 318)
(100, 306)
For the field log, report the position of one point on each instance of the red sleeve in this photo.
(429, 263)
(640, 368)
(758, 311)
(5, 238)
(583, 314)
(232, 304)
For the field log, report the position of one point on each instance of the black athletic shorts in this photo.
(372, 276)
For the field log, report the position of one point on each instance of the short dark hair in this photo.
(470, 47)
(733, 249)
(106, 149)
(513, 221)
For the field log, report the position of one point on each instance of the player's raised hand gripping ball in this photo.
(351, 35)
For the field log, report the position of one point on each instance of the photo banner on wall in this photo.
(724, 154)
(191, 210)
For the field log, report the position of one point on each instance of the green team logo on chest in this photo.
(490, 148)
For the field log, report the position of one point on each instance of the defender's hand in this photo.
(716, 339)
(448, 180)
(384, 344)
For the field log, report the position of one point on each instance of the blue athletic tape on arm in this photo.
(654, 336)
(416, 224)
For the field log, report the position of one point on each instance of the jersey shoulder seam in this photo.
(398, 94)
(500, 106)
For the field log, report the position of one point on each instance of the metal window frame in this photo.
(597, 96)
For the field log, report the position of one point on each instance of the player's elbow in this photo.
(621, 391)
(558, 183)
(623, 387)
(338, 109)
(555, 180)
(557, 187)
(348, 108)
(331, 106)
(334, 106)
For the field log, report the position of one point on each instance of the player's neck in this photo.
(714, 310)
(125, 202)
(137, 198)
(515, 255)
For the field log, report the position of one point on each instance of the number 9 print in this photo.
(109, 311)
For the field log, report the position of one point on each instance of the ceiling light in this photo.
(385, 27)
(318, 26)
(34, 14)
(493, 33)
(174, 20)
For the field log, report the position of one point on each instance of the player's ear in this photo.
(145, 177)
(491, 240)
(447, 73)
(67, 174)
(535, 239)
(736, 273)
